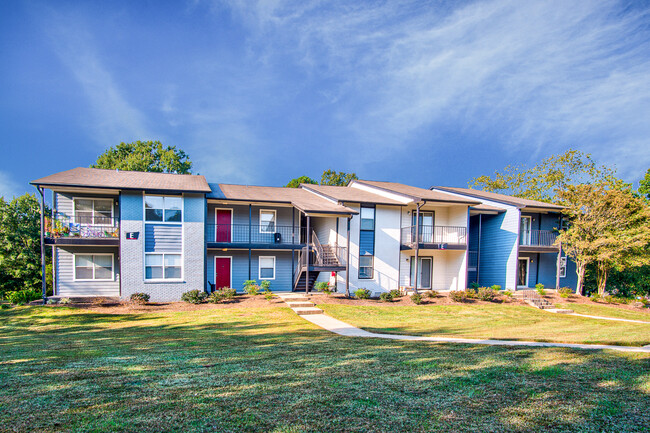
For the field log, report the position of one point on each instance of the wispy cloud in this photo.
(8, 187)
(114, 118)
(537, 77)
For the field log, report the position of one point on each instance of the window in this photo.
(93, 211)
(93, 266)
(367, 218)
(167, 209)
(163, 266)
(267, 221)
(563, 267)
(524, 230)
(366, 268)
(267, 268)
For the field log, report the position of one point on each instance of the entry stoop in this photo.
(300, 304)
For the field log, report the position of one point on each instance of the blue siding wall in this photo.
(283, 270)
(495, 247)
(131, 206)
(548, 269)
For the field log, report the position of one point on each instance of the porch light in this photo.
(224, 249)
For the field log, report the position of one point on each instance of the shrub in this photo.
(595, 297)
(395, 294)
(221, 294)
(458, 295)
(565, 292)
(470, 293)
(416, 298)
(20, 297)
(496, 287)
(386, 297)
(51, 301)
(540, 289)
(486, 294)
(64, 301)
(139, 298)
(474, 286)
(265, 285)
(362, 294)
(609, 299)
(508, 293)
(268, 295)
(324, 287)
(4, 307)
(251, 287)
(194, 296)
(432, 294)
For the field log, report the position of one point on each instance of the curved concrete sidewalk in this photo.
(338, 327)
(609, 318)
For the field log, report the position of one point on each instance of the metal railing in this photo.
(472, 259)
(434, 235)
(537, 238)
(328, 255)
(91, 227)
(253, 234)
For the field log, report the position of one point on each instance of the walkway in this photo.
(609, 318)
(336, 326)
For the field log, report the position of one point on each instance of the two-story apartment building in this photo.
(115, 233)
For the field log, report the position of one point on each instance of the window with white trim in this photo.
(366, 267)
(563, 267)
(93, 267)
(163, 208)
(267, 268)
(93, 211)
(163, 266)
(267, 221)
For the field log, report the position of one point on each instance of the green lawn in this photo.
(245, 369)
(510, 322)
(607, 311)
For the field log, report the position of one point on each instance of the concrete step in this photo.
(307, 310)
(292, 304)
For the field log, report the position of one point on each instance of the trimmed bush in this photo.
(470, 293)
(222, 294)
(496, 287)
(362, 294)
(416, 298)
(458, 295)
(432, 294)
(251, 287)
(486, 294)
(194, 296)
(265, 285)
(20, 297)
(386, 297)
(565, 292)
(64, 301)
(595, 297)
(395, 294)
(139, 298)
(324, 287)
(540, 289)
(508, 293)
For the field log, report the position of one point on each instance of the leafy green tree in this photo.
(145, 156)
(542, 181)
(338, 178)
(295, 183)
(20, 248)
(609, 227)
(644, 185)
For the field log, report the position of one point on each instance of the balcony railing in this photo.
(472, 260)
(537, 238)
(435, 235)
(254, 234)
(90, 227)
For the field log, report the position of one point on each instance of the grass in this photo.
(509, 322)
(265, 369)
(607, 311)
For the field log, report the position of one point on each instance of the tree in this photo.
(542, 181)
(609, 226)
(145, 156)
(295, 183)
(20, 247)
(340, 178)
(644, 185)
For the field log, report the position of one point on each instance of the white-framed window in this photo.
(93, 267)
(366, 268)
(93, 211)
(267, 268)
(525, 230)
(163, 208)
(163, 266)
(267, 221)
(563, 267)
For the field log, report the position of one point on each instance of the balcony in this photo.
(537, 241)
(435, 237)
(91, 230)
(254, 236)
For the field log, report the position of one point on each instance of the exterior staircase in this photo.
(322, 258)
(531, 297)
(300, 304)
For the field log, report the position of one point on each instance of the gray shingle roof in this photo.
(351, 195)
(416, 193)
(113, 179)
(501, 198)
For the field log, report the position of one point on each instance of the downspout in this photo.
(518, 242)
(53, 249)
(539, 255)
(558, 262)
(478, 253)
(293, 243)
(347, 262)
(308, 251)
(44, 283)
(250, 253)
(417, 244)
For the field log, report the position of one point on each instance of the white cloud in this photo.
(8, 187)
(538, 77)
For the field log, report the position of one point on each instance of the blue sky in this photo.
(425, 93)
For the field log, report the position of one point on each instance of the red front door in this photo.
(224, 227)
(222, 270)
